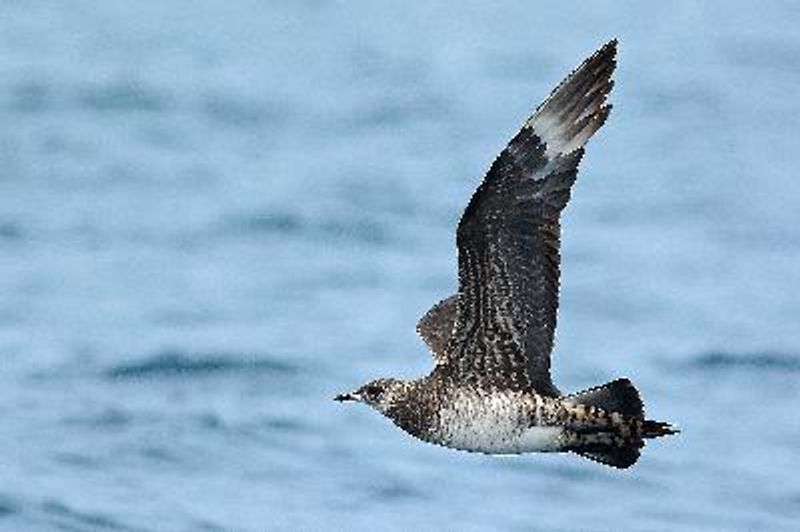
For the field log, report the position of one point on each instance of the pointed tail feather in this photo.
(609, 445)
(656, 429)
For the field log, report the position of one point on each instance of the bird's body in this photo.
(491, 390)
(438, 410)
(502, 422)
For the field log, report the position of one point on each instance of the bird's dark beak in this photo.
(345, 397)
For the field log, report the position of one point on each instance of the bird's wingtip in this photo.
(612, 44)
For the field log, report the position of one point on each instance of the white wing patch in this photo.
(577, 107)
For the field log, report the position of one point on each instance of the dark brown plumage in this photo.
(491, 390)
(509, 239)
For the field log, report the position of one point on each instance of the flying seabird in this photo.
(491, 389)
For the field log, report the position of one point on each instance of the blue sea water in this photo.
(216, 215)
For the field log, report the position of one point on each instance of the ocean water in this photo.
(214, 216)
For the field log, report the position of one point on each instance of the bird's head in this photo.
(380, 394)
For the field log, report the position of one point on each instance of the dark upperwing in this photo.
(498, 331)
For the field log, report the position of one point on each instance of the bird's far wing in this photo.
(437, 324)
(509, 238)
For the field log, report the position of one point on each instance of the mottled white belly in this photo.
(540, 439)
(500, 428)
(531, 440)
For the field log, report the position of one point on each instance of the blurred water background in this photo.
(216, 215)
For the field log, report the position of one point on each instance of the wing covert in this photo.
(436, 326)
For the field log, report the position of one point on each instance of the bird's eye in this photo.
(373, 391)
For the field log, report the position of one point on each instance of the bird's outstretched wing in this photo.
(509, 237)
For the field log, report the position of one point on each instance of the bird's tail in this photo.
(656, 429)
(616, 443)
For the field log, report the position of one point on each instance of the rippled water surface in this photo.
(216, 215)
